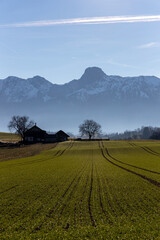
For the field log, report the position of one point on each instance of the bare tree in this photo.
(89, 128)
(20, 124)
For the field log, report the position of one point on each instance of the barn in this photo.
(37, 135)
(61, 136)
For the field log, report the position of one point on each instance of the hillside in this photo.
(9, 137)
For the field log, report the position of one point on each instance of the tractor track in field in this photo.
(104, 180)
(67, 200)
(107, 195)
(77, 203)
(150, 180)
(64, 205)
(41, 160)
(145, 208)
(75, 210)
(109, 202)
(9, 189)
(146, 149)
(81, 199)
(114, 197)
(38, 197)
(61, 152)
(57, 153)
(158, 154)
(144, 204)
(89, 199)
(130, 165)
(100, 199)
(133, 144)
(28, 162)
(117, 201)
(129, 206)
(67, 148)
(59, 201)
(58, 189)
(41, 207)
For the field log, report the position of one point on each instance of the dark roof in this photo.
(61, 133)
(35, 129)
(50, 135)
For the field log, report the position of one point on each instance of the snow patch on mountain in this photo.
(94, 82)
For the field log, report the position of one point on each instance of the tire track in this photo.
(75, 211)
(146, 149)
(40, 160)
(21, 211)
(55, 193)
(138, 203)
(100, 199)
(107, 195)
(116, 200)
(59, 201)
(106, 187)
(144, 169)
(154, 182)
(158, 154)
(89, 198)
(64, 205)
(77, 203)
(67, 200)
(81, 200)
(9, 189)
(149, 151)
(67, 148)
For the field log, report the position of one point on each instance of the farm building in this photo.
(61, 136)
(37, 135)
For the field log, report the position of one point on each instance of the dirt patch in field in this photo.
(24, 151)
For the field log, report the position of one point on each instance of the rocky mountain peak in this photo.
(93, 74)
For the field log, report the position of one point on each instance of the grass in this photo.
(9, 137)
(82, 190)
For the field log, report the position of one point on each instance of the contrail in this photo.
(91, 20)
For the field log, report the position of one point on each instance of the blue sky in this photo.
(61, 52)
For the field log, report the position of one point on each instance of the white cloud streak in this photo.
(150, 45)
(91, 20)
(120, 64)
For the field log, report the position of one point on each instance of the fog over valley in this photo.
(117, 103)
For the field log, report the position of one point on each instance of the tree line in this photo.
(89, 129)
(145, 132)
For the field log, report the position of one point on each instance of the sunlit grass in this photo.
(82, 190)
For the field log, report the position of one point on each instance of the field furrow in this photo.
(152, 181)
(144, 169)
(82, 190)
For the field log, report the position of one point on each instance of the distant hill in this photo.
(118, 103)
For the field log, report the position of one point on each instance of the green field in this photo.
(82, 190)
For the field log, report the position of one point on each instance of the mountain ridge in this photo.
(87, 70)
(121, 102)
(94, 81)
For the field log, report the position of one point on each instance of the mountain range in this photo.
(117, 103)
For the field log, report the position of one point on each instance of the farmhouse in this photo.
(37, 135)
